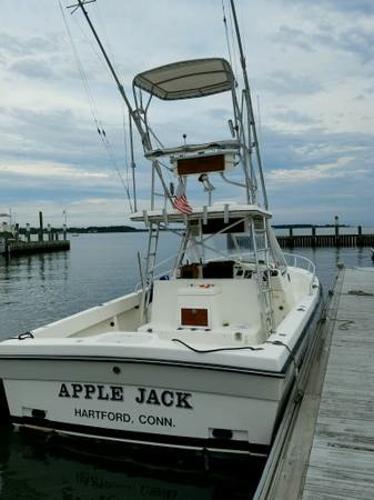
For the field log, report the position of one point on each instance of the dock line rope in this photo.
(23, 336)
(219, 349)
(300, 392)
(279, 342)
(344, 323)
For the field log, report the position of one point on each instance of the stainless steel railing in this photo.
(297, 260)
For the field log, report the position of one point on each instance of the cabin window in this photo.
(219, 269)
(194, 317)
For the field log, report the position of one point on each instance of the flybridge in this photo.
(238, 156)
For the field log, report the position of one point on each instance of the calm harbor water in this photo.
(38, 289)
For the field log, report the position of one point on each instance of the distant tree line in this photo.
(104, 229)
(89, 229)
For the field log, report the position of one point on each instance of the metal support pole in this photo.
(249, 102)
(133, 166)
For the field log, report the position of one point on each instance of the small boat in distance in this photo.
(202, 357)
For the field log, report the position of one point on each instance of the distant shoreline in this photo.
(131, 229)
(105, 229)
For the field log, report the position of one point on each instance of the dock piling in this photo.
(28, 233)
(337, 238)
(40, 226)
(359, 236)
(314, 240)
(19, 241)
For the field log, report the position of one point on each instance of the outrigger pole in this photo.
(81, 4)
(249, 103)
(133, 113)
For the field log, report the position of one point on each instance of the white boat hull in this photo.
(205, 415)
(75, 377)
(223, 410)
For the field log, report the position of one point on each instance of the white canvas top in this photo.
(187, 79)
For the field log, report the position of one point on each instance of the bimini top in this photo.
(187, 79)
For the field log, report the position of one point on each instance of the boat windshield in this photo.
(259, 247)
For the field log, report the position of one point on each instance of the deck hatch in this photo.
(194, 317)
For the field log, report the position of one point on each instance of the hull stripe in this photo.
(145, 437)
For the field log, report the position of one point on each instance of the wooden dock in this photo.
(15, 248)
(313, 239)
(15, 240)
(326, 240)
(325, 450)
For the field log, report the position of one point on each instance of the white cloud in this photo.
(336, 170)
(307, 60)
(50, 170)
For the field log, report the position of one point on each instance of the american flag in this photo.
(180, 201)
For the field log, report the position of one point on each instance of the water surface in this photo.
(35, 290)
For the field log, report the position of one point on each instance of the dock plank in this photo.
(286, 478)
(329, 452)
(341, 463)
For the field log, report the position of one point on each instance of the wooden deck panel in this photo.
(341, 464)
(328, 453)
(284, 478)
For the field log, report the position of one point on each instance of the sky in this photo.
(311, 69)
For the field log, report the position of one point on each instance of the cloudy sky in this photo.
(311, 67)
